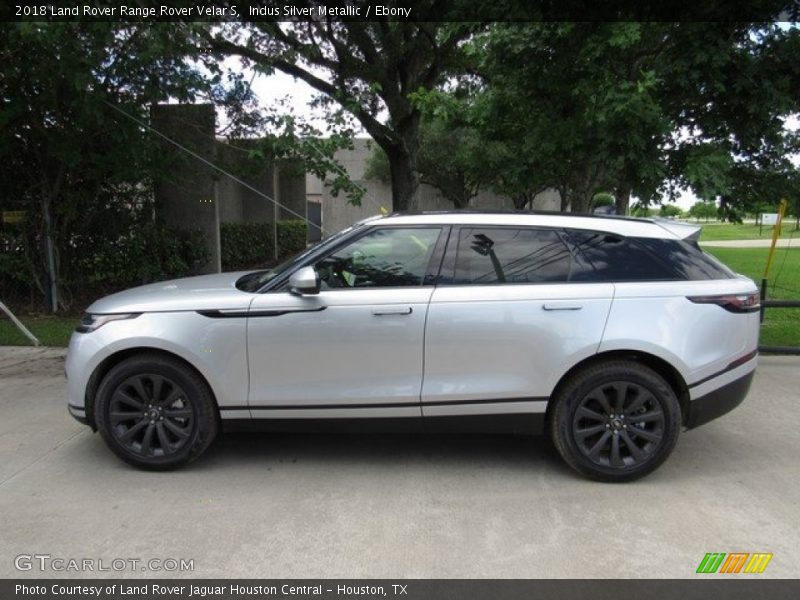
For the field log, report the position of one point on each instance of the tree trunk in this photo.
(562, 194)
(461, 201)
(521, 201)
(622, 198)
(51, 286)
(405, 181)
(579, 201)
(797, 213)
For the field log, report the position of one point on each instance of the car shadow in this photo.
(386, 450)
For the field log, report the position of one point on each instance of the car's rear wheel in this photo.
(615, 421)
(155, 412)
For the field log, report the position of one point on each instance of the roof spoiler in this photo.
(684, 231)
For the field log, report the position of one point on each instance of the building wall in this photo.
(196, 196)
(188, 199)
(338, 214)
(199, 197)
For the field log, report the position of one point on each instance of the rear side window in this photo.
(607, 257)
(489, 255)
(687, 259)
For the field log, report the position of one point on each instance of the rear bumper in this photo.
(717, 402)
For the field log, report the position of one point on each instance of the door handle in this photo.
(382, 312)
(561, 306)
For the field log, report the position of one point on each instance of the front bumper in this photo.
(78, 413)
(717, 402)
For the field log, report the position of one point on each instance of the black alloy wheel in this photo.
(619, 424)
(615, 420)
(155, 412)
(151, 415)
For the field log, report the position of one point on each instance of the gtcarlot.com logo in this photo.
(46, 562)
(734, 562)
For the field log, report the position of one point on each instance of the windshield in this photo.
(253, 282)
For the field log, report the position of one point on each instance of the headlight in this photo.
(91, 322)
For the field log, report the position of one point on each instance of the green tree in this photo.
(703, 210)
(669, 210)
(639, 108)
(69, 159)
(364, 67)
(452, 159)
(576, 112)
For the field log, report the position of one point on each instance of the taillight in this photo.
(735, 303)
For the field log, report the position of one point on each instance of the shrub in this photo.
(602, 199)
(292, 236)
(98, 264)
(251, 245)
(245, 245)
(150, 254)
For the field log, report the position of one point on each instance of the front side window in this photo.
(505, 255)
(390, 257)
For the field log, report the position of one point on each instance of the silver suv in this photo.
(611, 334)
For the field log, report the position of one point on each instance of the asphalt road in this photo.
(394, 506)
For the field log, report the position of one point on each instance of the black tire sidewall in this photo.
(205, 426)
(571, 396)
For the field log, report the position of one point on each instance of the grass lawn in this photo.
(51, 331)
(781, 326)
(714, 231)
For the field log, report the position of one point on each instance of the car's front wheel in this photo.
(615, 421)
(154, 412)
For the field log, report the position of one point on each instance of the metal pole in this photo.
(776, 232)
(52, 284)
(276, 193)
(19, 324)
(217, 236)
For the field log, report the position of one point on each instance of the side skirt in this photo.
(516, 423)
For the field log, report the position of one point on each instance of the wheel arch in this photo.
(666, 370)
(109, 362)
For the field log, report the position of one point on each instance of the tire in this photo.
(596, 440)
(156, 413)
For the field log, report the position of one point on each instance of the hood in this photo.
(205, 292)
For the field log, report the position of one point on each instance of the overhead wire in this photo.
(217, 168)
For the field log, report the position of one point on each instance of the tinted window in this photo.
(381, 258)
(609, 257)
(505, 255)
(687, 259)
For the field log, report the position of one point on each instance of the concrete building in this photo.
(337, 214)
(198, 196)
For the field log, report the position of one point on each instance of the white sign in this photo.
(769, 218)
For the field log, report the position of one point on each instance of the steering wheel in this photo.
(330, 273)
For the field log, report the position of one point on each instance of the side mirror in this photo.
(304, 281)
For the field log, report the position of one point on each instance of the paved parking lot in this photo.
(396, 506)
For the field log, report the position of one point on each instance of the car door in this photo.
(355, 348)
(507, 322)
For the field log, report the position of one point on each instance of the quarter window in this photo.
(608, 257)
(390, 257)
(507, 255)
(688, 259)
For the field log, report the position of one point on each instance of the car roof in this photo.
(625, 226)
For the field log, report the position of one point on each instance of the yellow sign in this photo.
(13, 216)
